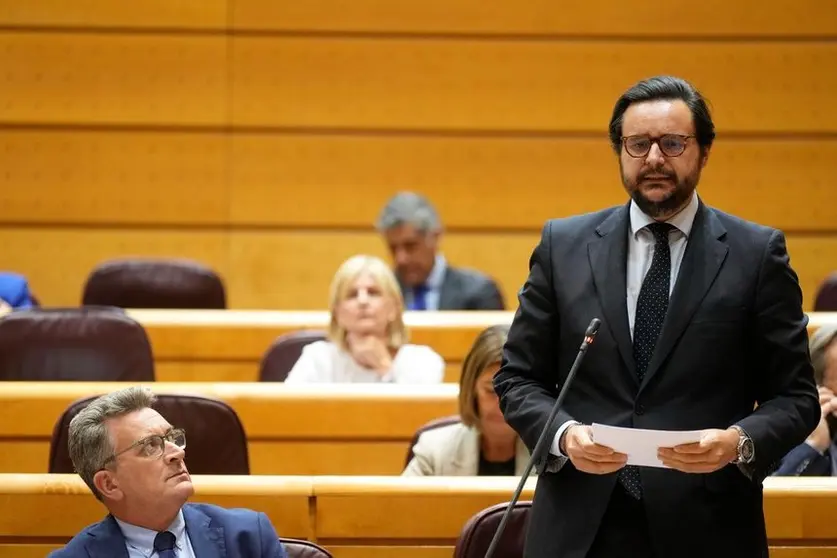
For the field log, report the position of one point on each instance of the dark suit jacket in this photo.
(214, 532)
(467, 289)
(734, 335)
(15, 290)
(805, 461)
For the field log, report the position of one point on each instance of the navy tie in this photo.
(651, 307)
(164, 545)
(419, 298)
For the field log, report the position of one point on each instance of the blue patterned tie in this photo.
(164, 545)
(651, 306)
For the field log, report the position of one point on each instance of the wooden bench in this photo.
(372, 517)
(318, 429)
(227, 345)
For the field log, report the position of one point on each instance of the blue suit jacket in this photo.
(15, 290)
(214, 532)
(805, 461)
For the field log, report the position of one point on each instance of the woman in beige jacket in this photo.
(482, 444)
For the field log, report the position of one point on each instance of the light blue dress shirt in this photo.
(140, 541)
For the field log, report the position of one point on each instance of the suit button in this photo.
(639, 409)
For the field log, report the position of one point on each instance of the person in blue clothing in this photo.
(133, 461)
(14, 292)
(817, 456)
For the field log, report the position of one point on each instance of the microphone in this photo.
(589, 335)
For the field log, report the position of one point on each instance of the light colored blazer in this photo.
(325, 362)
(453, 451)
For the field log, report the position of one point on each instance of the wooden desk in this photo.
(227, 345)
(349, 429)
(372, 517)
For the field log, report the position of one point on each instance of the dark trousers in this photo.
(623, 532)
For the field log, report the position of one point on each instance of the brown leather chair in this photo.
(826, 300)
(430, 425)
(476, 536)
(280, 357)
(155, 283)
(74, 344)
(215, 440)
(303, 549)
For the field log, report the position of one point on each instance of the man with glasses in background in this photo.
(133, 461)
(701, 321)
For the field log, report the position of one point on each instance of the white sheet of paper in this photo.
(641, 445)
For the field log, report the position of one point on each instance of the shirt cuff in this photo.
(555, 449)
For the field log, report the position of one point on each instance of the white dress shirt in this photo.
(640, 253)
(325, 362)
(140, 541)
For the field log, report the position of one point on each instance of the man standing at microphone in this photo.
(702, 329)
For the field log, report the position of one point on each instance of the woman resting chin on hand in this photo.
(367, 340)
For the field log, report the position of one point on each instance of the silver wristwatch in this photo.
(746, 449)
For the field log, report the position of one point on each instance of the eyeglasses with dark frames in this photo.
(154, 447)
(671, 145)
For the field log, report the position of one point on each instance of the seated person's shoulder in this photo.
(424, 352)
(443, 436)
(473, 276)
(77, 547)
(233, 516)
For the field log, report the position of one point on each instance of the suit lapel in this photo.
(448, 291)
(106, 540)
(705, 252)
(608, 257)
(207, 540)
(466, 456)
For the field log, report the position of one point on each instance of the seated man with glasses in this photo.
(133, 461)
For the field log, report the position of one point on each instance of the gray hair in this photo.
(818, 344)
(90, 443)
(409, 208)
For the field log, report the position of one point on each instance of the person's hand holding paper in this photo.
(691, 451)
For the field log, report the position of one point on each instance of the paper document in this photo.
(641, 445)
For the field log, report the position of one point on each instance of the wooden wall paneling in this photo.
(712, 18)
(87, 78)
(331, 181)
(57, 260)
(150, 14)
(113, 177)
(413, 84)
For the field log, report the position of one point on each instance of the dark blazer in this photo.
(805, 461)
(468, 289)
(214, 532)
(14, 289)
(735, 335)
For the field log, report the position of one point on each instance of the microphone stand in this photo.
(589, 335)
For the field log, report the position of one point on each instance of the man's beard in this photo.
(671, 204)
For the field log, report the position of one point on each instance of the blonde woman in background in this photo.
(367, 340)
(482, 444)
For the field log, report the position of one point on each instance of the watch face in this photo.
(747, 450)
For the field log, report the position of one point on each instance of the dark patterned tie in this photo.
(651, 306)
(164, 545)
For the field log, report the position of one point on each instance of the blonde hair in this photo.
(486, 350)
(90, 444)
(346, 274)
(818, 344)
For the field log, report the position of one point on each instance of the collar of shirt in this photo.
(142, 539)
(437, 274)
(683, 221)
